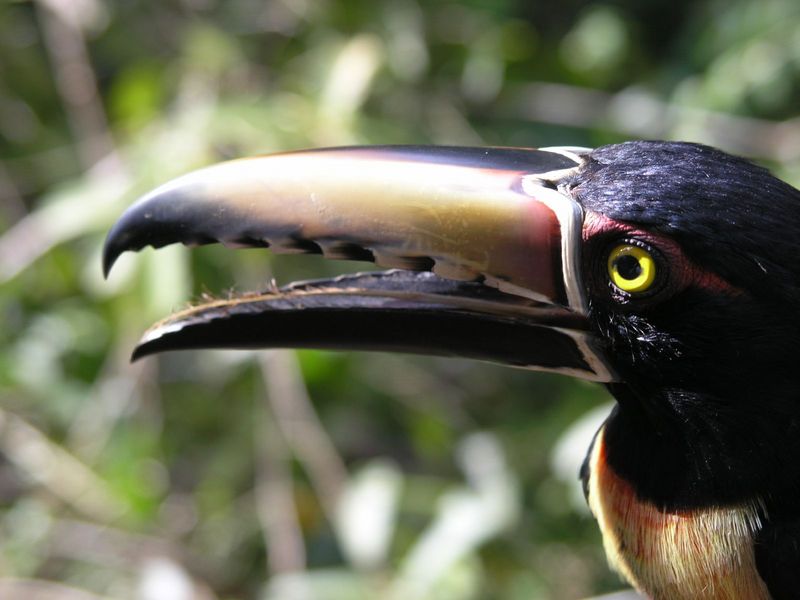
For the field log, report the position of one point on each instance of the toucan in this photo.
(667, 271)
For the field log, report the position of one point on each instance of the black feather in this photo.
(709, 413)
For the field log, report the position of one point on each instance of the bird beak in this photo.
(502, 242)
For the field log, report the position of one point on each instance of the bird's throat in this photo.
(673, 555)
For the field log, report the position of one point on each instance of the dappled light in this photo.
(294, 475)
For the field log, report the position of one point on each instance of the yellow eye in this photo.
(631, 268)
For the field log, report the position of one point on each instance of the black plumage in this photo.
(695, 476)
(709, 411)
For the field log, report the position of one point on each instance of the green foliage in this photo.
(123, 480)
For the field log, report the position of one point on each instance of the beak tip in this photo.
(118, 241)
(110, 255)
(140, 226)
(144, 348)
(138, 353)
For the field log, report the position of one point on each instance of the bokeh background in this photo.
(312, 475)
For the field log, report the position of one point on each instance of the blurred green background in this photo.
(313, 475)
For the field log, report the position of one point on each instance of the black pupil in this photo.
(628, 267)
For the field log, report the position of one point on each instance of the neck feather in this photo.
(670, 554)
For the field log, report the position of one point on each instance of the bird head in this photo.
(666, 271)
(708, 389)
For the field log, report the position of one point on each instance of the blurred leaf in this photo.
(366, 514)
(136, 95)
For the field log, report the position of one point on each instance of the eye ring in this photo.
(631, 268)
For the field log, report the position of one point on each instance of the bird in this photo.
(668, 272)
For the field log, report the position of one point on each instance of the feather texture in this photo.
(674, 555)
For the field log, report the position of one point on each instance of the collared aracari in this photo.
(668, 271)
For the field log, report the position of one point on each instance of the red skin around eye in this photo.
(685, 273)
